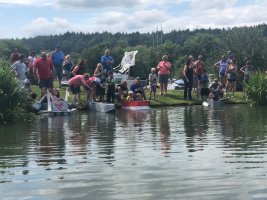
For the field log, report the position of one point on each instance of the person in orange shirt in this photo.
(164, 70)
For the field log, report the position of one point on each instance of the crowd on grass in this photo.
(102, 86)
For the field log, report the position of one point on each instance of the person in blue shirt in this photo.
(57, 58)
(107, 61)
(137, 87)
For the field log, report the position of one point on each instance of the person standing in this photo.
(15, 56)
(164, 70)
(19, 69)
(57, 58)
(31, 61)
(110, 87)
(199, 68)
(248, 69)
(67, 66)
(231, 72)
(78, 69)
(153, 79)
(188, 73)
(107, 61)
(43, 71)
(223, 64)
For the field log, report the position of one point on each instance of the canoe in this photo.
(136, 105)
(101, 106)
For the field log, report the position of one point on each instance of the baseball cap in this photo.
(97, 80)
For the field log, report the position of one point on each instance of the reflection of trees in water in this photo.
(195, 125)
(15, 142)
(241, 125)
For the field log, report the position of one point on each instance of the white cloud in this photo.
(96, 3)
(145, 18)
(41, 26)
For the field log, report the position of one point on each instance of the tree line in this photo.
(247, 43)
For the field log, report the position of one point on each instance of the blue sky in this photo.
(29, 18)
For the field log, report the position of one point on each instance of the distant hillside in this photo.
(245, 42)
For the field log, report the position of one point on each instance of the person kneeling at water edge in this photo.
(75, 83)
(92, 82)
(137, 87)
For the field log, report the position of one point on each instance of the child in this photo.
(111, 87)
(204, 81)
(56, 95)
(138, 97)
(153, 82)
(130, 96)
(43, 98)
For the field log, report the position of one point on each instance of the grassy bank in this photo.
(173, 98)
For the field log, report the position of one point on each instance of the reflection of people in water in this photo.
(164, 128)
(51, 142)
(195, 123)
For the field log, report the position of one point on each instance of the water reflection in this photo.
(165, 153)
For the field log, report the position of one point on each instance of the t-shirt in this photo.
(199, 67)
(164, 67)
(104, 61)
(57, 58)
(20, 68)
(223, 66)
(45, 68)
(77, 80)
(153, 79)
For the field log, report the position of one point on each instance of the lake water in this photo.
(166, 153)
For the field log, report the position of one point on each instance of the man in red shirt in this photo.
(43, 71)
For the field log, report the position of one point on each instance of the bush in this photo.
(256, 89)
(13, 100)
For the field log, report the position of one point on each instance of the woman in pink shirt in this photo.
(75, 83)
(164, 70)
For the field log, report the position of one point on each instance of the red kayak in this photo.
(136, 105)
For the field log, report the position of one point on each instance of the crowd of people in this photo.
(50, 66)
(196, 78)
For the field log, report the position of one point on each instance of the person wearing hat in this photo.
(19, 69)
(91, 92)
(75, 83)
(57, 58)
(164, 70)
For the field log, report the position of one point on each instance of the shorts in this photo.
(48, 83)
(163, 78)
(75, 90)
(59, 72)
(153, 88)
